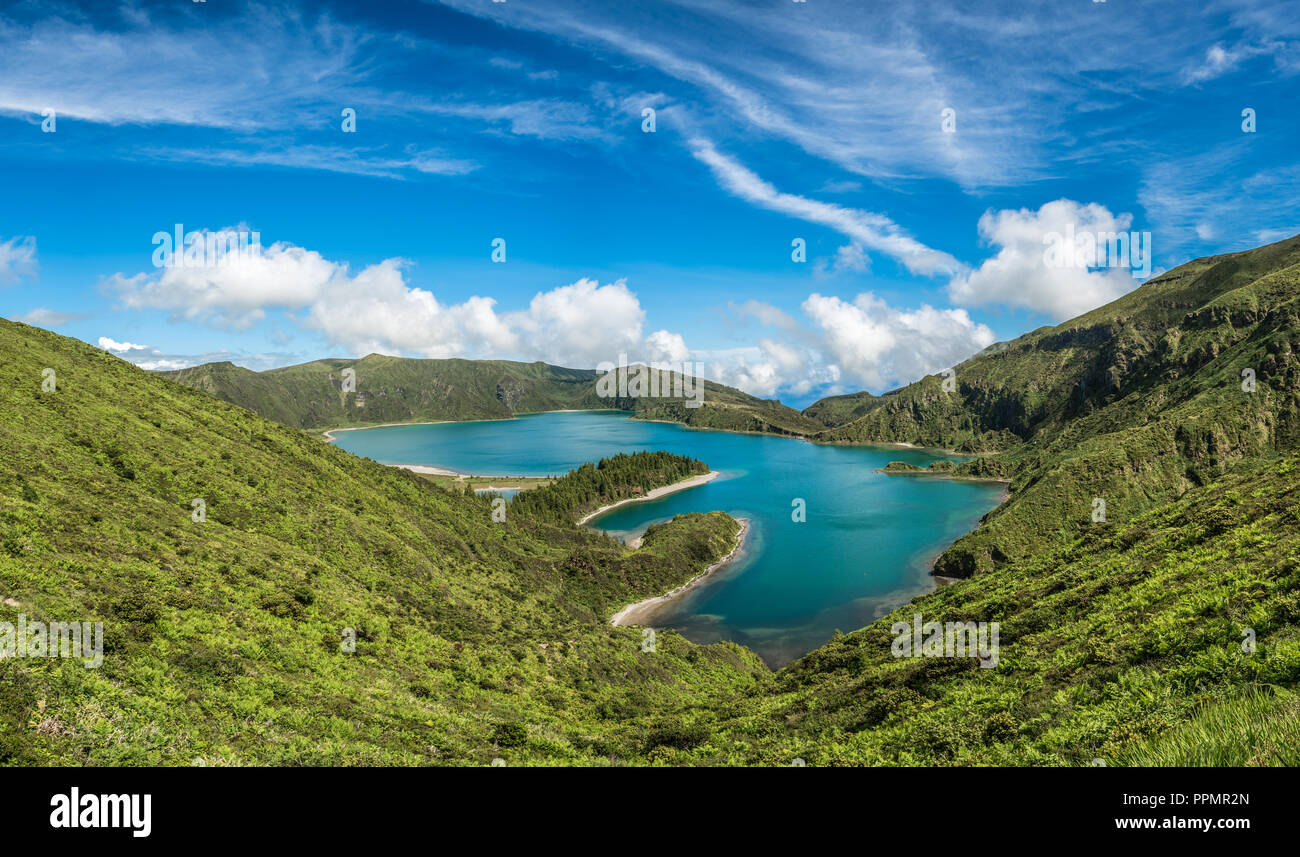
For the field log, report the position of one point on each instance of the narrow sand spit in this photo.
(640, 612)
(330, 438)
(657, 493)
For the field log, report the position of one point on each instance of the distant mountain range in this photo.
(398, 389)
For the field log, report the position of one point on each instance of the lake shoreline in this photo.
(329, 438)
(656, 493)
(639, 612)
(328, 434)
(939, 474)
(903, 574)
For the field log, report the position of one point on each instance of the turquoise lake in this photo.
(865, 547)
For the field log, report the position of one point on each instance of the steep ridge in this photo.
(1131, 404)
(378, 389)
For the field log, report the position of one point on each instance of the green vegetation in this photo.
(1106, 644)
(474, 639)
(399, 389)
(1160, 628)
(621, 477)
(942, 468)
(1133, 403)
(1257, 730)
(477, 483)
(838, 410)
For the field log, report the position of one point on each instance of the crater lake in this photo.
(866, 545)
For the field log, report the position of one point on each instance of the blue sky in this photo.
(920, 150)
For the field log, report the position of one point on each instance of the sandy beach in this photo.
(656, 493)
(329, 435)
(642, 611)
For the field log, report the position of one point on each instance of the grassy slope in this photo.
(476, 639)
(1133, 403)
(1106, 644)
(835, 411)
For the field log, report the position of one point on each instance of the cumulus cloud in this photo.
(836, 345)
(1020, 276)
(771, 368)
(878, 346)
(152, 359)
(17, 258)
(377, 310)
(144, 356)
(841, 345)
(237, 293)
(582, 324)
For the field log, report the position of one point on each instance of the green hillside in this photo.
(474, 639)
(1132, 404)
(837, 410)
(400, 389)
(1107, 644)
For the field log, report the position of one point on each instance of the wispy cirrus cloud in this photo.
(863, 91)
(365, 161)
(296, 72)
(178, 70)
(1203, 200)
(46, 317)
(870, 230)
(17, 258)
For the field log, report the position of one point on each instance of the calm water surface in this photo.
(865, 547)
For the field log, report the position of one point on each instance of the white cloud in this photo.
(151, 72)
(1019, 276)
(144, 356)
(877, 346)
(17, 258)
(873, 231)
(582, 324)
(119, 347)
(864, 91)
(1219, 60)
(375, 309)
(665, 346)
(769, 369)
(238, 293)
(832, 186)
(338, 159)
(152, 359)
(844, 345)
(850, 257)
(45, 317)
